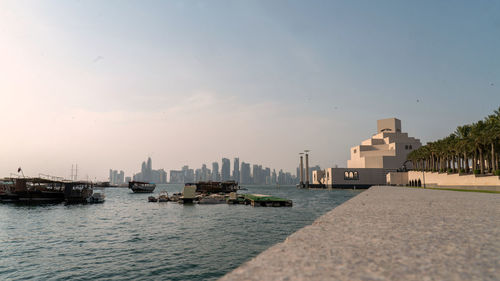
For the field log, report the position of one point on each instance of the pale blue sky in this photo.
(107, 83)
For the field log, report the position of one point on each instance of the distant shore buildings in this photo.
(116, 178)
(243, 173)
(373, 159)
(147, 173)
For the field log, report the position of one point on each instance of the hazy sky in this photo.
(106, 84)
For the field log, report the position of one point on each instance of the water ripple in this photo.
(127, 238)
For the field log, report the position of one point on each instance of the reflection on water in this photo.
(130, 238)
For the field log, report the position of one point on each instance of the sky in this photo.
(106, 84)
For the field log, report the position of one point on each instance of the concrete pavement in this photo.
(391, 233)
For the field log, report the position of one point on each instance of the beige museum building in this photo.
(386, 151)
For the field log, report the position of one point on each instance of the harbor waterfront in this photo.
(128, 238)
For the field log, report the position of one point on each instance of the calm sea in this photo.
(129, 238)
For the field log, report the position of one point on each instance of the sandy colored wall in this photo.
(395, 178)
(443, 179)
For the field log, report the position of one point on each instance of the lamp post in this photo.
(307, 167)
(301, 170)
(423, 175)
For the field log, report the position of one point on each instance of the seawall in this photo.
(391, 233)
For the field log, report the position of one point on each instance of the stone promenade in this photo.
(391, 233)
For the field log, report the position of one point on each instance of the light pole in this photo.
(307, 168)
(423, 175)
(301, 170)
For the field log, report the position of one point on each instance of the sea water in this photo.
(129, 238)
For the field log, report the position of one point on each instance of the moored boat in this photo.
(163, 197)
(43, 190)
(210, 187)
(175, 197)
(213, 199)
(78, 192)
(141, 187)
(34, 191)
(97, 197)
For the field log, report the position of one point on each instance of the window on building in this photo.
(351, 175)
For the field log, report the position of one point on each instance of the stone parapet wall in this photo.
(444, 179)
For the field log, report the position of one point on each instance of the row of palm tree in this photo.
(472, 148)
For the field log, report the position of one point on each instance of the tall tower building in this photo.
(256, 174)
(236, 169)
(245, 173)
(215, 171)
(143, 172)
(149, 170)
(226, 170)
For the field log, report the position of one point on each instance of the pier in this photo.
(390, 233)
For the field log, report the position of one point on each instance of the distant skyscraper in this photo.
(116, 177)
(226, 170)
(147, 174)
(121, 177)
(205, 173)
(176, 176)
(188, 174)
(245, 173)
(149, 170)
(267, 176)
(236, 169)
(256, 174)
(142, 176)
(197, 175)
(215, 171)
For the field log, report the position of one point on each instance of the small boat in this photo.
(96, 197)
(163, 197)
(141, 187)
(175, 197)
(152, 199)
(213, 199)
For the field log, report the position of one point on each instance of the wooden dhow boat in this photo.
(141, 187)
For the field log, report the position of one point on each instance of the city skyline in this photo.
(103, 85)
(244, 173)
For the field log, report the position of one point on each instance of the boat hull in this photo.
(39, 197)
(143, 189)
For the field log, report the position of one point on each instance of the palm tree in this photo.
(479, 138)
(478, 143)
(493, 137)
(464, 144)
